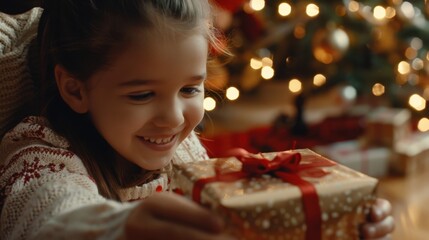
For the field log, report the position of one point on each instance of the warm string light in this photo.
(266, 66)
(417, 102)
(284, 9)
(403, 67)
(257, 5)
(319, 80)
(423, 125)
(378, 89)
(209, 104)
(408, 71)
(295, 85)
(267, 62)
(377, 15)
(255, 63)
(353, 6)
(390, 12)
(232, 93)
(267, 72)
(312, 10)
(379, 12)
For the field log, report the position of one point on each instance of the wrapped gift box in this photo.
(327, 199)
(371, 160)
(411, 154)
(385, 126)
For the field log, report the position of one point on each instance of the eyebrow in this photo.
(199, 77)
(136, 82)
(139, 82)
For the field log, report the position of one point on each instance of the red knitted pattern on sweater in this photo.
(30, 168)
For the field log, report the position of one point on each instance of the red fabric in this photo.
(287, 166)
(275, 139)
(252, 25)
(230, 5)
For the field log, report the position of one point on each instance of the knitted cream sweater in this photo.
(46, 192)
(16, 87)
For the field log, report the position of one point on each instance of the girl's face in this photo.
(150, 98)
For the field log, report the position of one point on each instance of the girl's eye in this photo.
(190, 90)
(141, 96)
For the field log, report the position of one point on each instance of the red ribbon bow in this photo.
(283, 161)
(286, 166)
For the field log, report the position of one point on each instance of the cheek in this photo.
(113, 119)
(196, 111)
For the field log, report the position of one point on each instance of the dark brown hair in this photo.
(84, 36)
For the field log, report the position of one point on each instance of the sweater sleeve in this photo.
(47, 194)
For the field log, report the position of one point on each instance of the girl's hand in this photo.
(380, 222)
(170, 216)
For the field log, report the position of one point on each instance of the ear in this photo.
(72, 90)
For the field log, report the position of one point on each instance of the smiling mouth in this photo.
(158, 141)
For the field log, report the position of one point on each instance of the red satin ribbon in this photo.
(286, 166)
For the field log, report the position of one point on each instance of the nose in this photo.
(170, 114)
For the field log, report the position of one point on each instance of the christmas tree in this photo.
(376, 49)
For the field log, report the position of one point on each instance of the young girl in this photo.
(122, 86)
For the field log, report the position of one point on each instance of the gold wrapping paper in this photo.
(268, 208)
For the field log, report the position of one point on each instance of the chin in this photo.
(160, 163)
